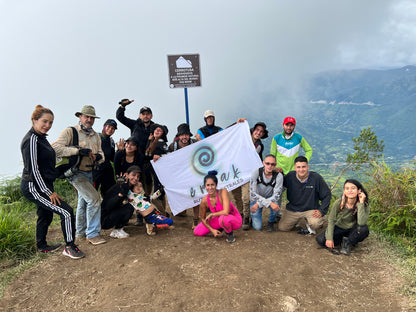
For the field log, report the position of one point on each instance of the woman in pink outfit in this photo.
(223, 216)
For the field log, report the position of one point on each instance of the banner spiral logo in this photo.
(202, 159)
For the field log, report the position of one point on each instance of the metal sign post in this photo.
(186, 105)
(184, 72)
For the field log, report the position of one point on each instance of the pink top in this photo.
(218, 206)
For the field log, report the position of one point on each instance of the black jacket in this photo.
(137, 128)
(121, 165)
(39, 161)
(306, 196)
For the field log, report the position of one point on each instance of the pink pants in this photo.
(229, 223)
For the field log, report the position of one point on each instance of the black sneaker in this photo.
(230, 237)
(73, 252)
(304, 231)
(270, 227)
(49, 249)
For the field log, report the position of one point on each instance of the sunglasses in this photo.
(270, 164)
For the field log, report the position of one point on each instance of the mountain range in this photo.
(336, 105)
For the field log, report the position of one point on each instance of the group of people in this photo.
(112, 185)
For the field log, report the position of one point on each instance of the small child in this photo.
(142, 204)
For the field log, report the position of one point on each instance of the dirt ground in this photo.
(176, 271)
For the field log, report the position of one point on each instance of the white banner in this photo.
(230, 152)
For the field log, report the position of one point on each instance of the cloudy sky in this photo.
(66, 54)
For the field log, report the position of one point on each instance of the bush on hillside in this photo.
(393, 202)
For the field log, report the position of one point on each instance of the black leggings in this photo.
(117, 217)
(45, 214)
(355, 235)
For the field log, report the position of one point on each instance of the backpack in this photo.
(272, 182)
(66, 166)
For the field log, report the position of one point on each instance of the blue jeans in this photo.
(88, 212)
(256, 217)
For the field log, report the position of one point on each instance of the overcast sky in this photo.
(66, 54)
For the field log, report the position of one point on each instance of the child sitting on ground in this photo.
(142, 204)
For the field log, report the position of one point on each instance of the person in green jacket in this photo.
(286, 145)
(347, 220)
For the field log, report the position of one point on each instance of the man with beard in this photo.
(89, 149)
(242, 194)
(286, 145)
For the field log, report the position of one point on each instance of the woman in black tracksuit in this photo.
(39, 173)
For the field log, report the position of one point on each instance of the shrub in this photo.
(393, 207)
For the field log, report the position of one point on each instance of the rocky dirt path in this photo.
(175, 271)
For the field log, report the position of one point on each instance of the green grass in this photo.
(17, 233)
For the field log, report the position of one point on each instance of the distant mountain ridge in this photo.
(336, 105)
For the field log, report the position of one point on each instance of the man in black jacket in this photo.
(308, 198)
(140, 129)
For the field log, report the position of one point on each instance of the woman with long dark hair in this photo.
(347, 220)
(223, 214)
(39, 173)
(129, 156)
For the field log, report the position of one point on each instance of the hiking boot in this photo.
(73, 252)
(97, 240)
(246, 224)
(345, 246)
(139, 221)
(230, 237)
(49, 249)
(118, 233)
(270, 227)
(150, 229)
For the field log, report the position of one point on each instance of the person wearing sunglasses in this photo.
(266, 187)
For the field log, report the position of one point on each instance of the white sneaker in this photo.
(122, 233)
(118, 233)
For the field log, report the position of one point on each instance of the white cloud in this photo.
(64, 55)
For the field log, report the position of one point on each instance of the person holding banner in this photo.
(223, 214)
(242, 194)
(210, 128)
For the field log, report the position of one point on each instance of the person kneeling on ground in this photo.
(223, 216)
(115, 208)
(265, 190)
(347, 220)
(142, 204)
(305, 189)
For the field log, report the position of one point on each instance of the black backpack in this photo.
(67, 165)
(272, 181)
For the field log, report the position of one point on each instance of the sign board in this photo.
(184, 71)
